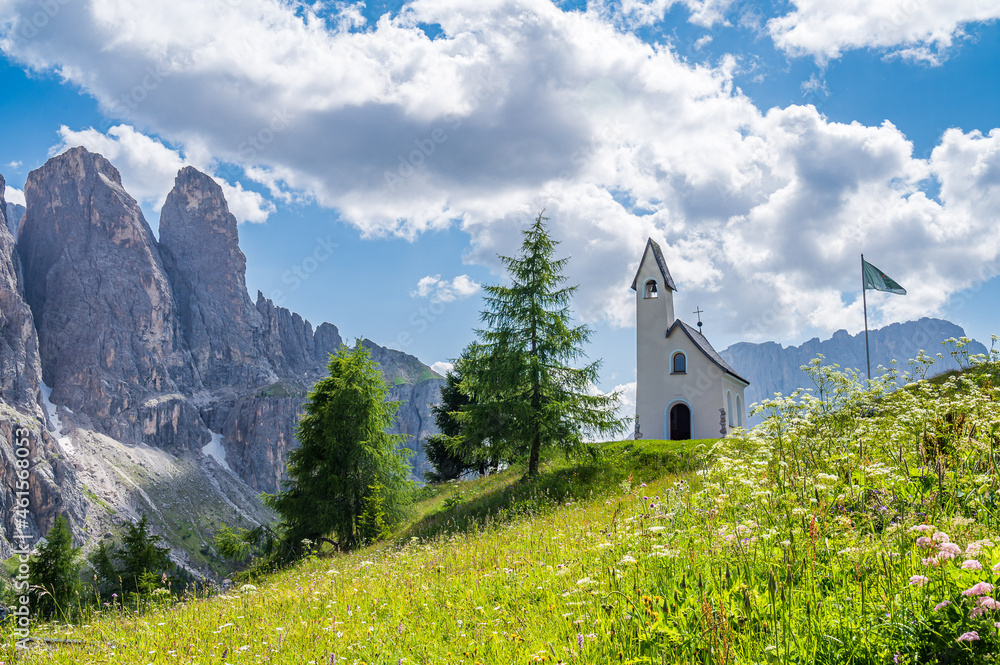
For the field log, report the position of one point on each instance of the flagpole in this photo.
(864, 300)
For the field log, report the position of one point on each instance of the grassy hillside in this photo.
(858, 525)
(476, 576)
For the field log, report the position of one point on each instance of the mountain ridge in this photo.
(772, 368)
(142, 365)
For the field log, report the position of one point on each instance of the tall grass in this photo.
(857, 524)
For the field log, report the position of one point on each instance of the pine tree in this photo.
(525, 394)
(344, 450)
(449, 453)
(140, 556)
(54, 573)
(136, 565)
(104, 570)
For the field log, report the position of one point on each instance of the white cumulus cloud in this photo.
(14, 195)
(439, 290)
(148, 168)
(912, 29)
(518, 106)
(442, 367)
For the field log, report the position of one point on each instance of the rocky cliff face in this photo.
(166, 389)
(20, 368)
(772, 368)
(294, 349)
(108, 330)
(51, 487)
(14, 214)
(200, 249)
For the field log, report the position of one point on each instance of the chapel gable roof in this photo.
(706, 348)
(668, 281)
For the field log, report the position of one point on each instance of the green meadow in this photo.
(857, 524)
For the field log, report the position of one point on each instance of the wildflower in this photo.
(922, 528)
(924, 541)
(940, 537)
(978, 589)
(918, 580)
(985, 603)
(943, 604)
(579, 640)
(973, 548)
(971, 564)
(654, 529)
(626, 559)
(971, 636)
(996, 568)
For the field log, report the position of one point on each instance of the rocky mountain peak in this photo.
(199, 245)
(772, 368)
(14, 214)
(20, 370)
(173, 394)
(103, 306)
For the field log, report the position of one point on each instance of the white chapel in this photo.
(684, 389)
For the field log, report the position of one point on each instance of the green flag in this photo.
(878, 280)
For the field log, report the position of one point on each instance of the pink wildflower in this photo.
(976, 545)
(943, 604)
(931, 561)
(971, 564)
(951, 549)
(940, 537)
(970, 636)
(923, 528)
(924, 541)
(996, 568)
(988, 603)
(918, 580)
(985, 603)
(978, 589)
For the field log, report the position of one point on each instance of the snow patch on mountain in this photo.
(55, 423)
(215, 449)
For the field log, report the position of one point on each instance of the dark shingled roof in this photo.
(706, 348)
(668, 281)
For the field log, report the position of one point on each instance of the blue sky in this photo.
(380, 155)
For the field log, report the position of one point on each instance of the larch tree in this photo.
(525, 393)
(345, 456)
(54, 572)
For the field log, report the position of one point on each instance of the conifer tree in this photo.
(54, 573)
(449, 452)
(140, 557)
(344, 451)
(137, 564)
(525, 393)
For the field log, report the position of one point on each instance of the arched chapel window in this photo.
(650, 290)
(679, 364)
(739, 411)
(729, 407)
